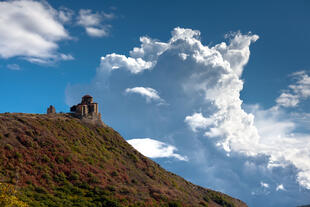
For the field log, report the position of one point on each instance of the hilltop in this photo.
(59, 160)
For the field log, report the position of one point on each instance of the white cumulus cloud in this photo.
(150, 49)
(206, 78)
(114, 61)
(217, 74)
(155, 149)
(198, 121)
(218, 78)
(149, 93)
(31, 30)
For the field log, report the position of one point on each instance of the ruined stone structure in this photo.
(51, 110)
(86, 109)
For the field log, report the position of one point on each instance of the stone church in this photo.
(86, 109)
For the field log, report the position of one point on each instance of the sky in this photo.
(214, 91)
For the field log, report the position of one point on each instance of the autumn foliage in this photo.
(57, 160)
(8, 196)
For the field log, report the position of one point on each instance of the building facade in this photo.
(86, 109)
(51, 110)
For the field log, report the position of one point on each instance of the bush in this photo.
(47, 177)
(114, 174)
(45, 158)
(17, 156)
(206, 198)
(39, 189)
(93, 179)
(174, 204)
(219, 199)
(8, 147)
(60, 159)
(60, 177)
(8, 196)
(74, 176)
(68, 159)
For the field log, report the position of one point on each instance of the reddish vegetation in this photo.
(48, 152)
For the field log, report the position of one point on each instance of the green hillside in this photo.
(58, 160)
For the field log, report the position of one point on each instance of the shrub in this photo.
(17, 156)
(93, 178)
(60, 159)
(8, 147)
(8, 196)
(74, 176)
(219, 199)
(174, 204)
(45, 158)
(114, 174)
(133, 157)
(206, 198)
(46, 176)
(60, 177)
(68, 159)
(111, 203)
(39, 189)
(111, 188)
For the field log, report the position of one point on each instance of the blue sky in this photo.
(217, 92)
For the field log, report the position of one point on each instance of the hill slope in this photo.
(57, 160)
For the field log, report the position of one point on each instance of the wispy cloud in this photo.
(288, 100)
(280, 187)
(31, 30)
(296, 92)
(97, 32)
(65, 15)
(265, 185)
(150, 94)
(155, 149)
(13, 66)
(92, 22)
